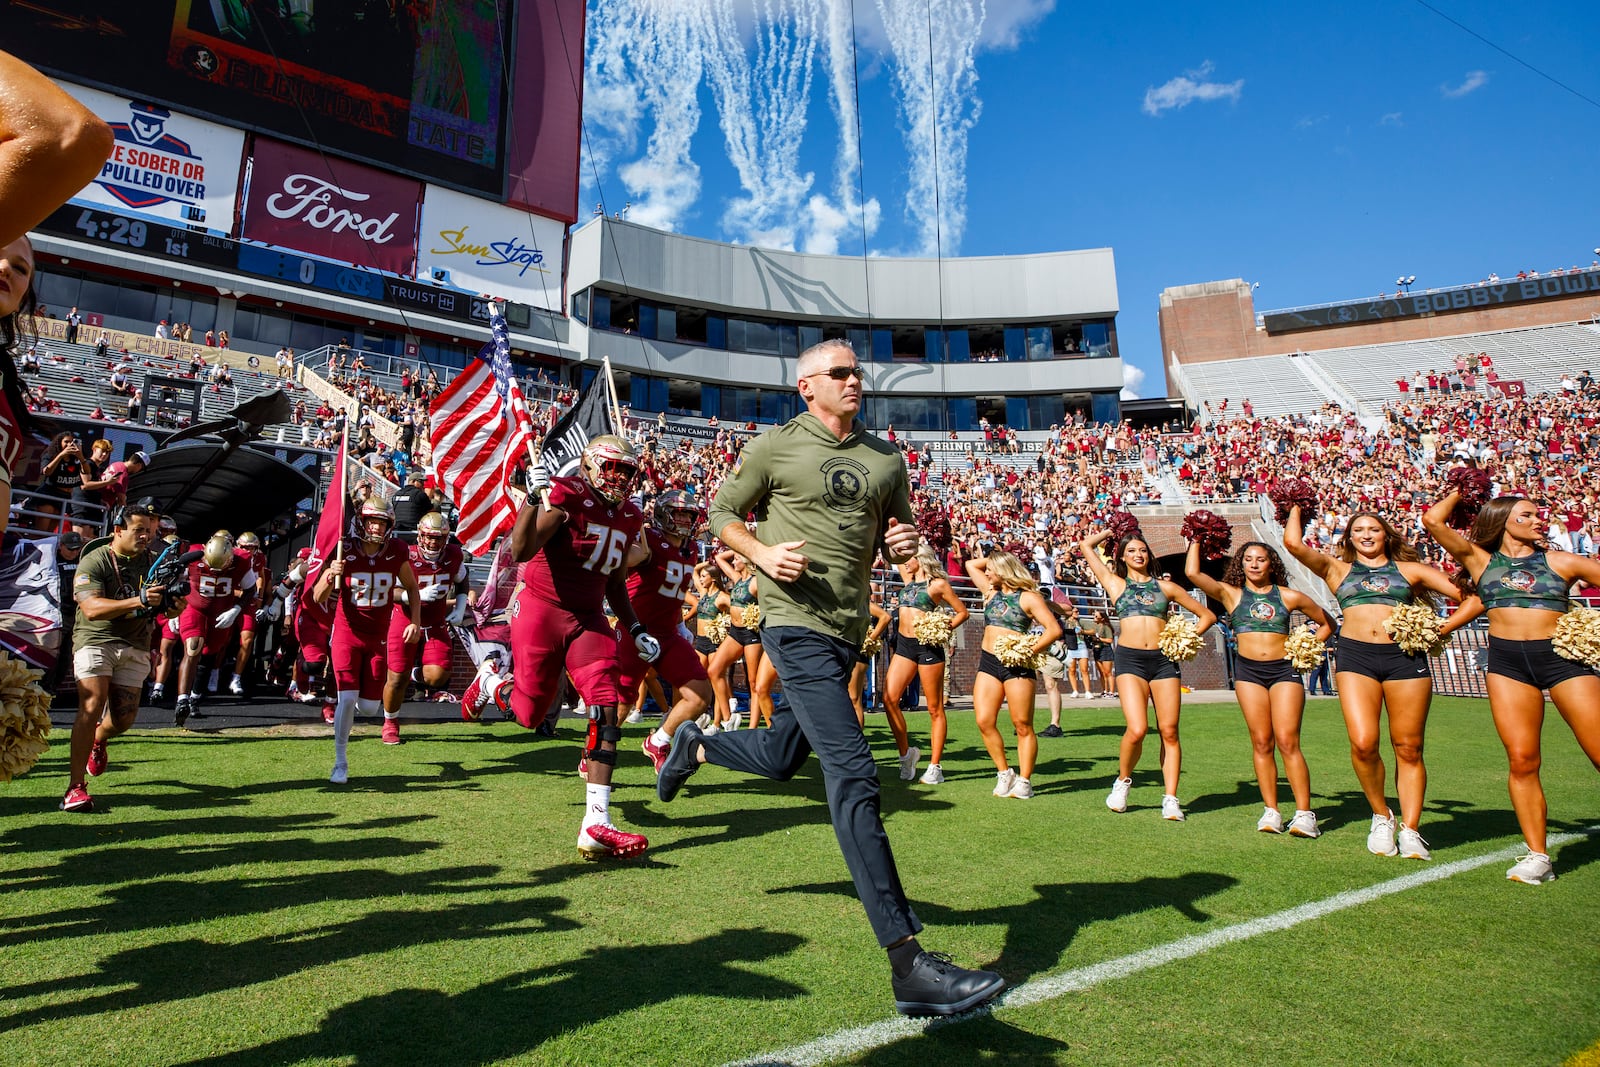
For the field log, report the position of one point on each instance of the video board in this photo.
(418, 86)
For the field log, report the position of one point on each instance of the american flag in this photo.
(480, 426)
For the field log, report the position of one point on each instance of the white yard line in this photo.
(853, 1042)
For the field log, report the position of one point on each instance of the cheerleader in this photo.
(1525, 590)
(1143, 674)
(927, 588)
(744, 641)
(1011, 605)
(858, 675)
(710, 600)
(1372, 571)
(1255, 591)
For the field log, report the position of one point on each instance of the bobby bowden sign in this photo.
(328, 207)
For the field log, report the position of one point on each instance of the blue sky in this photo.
(1320, 154)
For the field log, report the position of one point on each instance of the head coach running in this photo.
(828, 496)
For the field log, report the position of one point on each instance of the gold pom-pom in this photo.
(871, 646)
(752, 617)
(1016, 650)
(933, 628)
(717, 628)
(1179, 641)
(1577, 636)
(1415, 628)
(24, 717)
(1304, 650)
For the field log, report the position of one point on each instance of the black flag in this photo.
(587, 419)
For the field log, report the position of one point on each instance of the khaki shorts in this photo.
(127, 666)
(1051, 667)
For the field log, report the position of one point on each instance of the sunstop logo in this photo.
(311, 200)
(510, 253)
(149, 166)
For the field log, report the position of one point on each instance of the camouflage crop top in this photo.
(1142, 598)
(1260, 613)
(1522, 582)
(1004, 609)
(1383, 585)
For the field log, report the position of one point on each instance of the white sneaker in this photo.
(236, 687)
(934, 775)
(341, 773)
(1412, 846)
(1021, 789)
(157, 691)
(1171, 810)
(1532, 869)
(1118, 800)
(734, 720)
(908, 764)
(704, 720)
(1271, 822)
(1004, 781)
(635, 716)
(712, 731)
(1304, 824)
(1380, 839)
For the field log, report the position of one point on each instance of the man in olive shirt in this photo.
(111, 641)
(827, 496)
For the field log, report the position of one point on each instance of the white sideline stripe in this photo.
(860, 1039)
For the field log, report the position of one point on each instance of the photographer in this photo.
(111, 641)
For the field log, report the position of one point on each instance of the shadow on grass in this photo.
(1038, 931)
(983, 1040)
(511, 1016)
(192, 967)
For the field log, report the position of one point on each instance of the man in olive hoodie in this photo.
(827, 497)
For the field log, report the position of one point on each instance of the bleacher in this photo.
(1275, 385)
(1537, 356)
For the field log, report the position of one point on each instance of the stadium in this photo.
(312, 311)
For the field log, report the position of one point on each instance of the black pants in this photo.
(815, 671)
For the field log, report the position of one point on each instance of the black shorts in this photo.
(989, 663)
(1264, 672)
(1103, 653)
(1386, 663)
(704, 645)
(744, 635)
(1533, 663)
(917, 652)
(1146, 663)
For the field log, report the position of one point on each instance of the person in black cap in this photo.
(411, 503)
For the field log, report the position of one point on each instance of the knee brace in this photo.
(599, 734)
(193, 645)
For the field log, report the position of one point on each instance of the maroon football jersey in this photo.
(211, 591)
(657, 587)
(450, 568)
(367, 590)
(571, 569)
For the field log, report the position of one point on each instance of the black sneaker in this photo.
(681, 761)
(1051, 731)
(182, 710)
(936, 986)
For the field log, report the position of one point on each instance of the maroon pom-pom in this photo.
(1122, 526)
(934, 526)
(1210, 531)
(1474, 485)
(1287, 493)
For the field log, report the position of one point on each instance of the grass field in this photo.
(227, 906)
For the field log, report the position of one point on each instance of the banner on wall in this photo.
(487, 248)
(302, 200)
(166, 165)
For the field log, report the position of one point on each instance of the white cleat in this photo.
(236, 686)
(341, 773)
(1118, 800)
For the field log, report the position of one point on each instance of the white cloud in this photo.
(1475, 80)
(1305, 122)
(1189, 87)
(1393, 118)
(1007, 20)
(1132, 381)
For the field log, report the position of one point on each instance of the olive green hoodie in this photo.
(803, 484)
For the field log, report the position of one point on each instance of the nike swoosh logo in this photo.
(846, 525)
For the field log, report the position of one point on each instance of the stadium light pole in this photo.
(1405, 281)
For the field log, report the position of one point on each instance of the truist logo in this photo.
(311, 199)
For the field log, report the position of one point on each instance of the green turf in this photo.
(226, 905)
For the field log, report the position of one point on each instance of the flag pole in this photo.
(497, 309)
(344, 452)
(611, 393)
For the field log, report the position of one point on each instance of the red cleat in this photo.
(657, 753)
(604, 841)
(97, 759)
(327, 714)
(78, 799)
(391, 732)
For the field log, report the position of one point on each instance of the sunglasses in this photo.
(839, 374)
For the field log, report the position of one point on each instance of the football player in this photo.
(372, 568)
(221, 588)
(441, 570)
